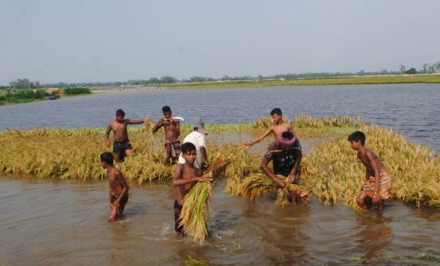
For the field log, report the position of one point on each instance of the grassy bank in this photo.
(25, 96)
(402, 79)
(331, 170)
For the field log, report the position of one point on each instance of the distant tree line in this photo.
(26, 84)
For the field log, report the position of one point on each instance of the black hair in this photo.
(187, 147)
(287, 135)
(107, 157)
(120, 112)
(357, 136)
(166, 108)
(276, 111)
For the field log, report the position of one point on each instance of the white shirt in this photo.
(198, 140)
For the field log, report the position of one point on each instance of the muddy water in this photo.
(64, 223)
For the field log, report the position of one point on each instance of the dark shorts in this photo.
(177, 210)
(122, 202)
(120, 148)
(172, 149)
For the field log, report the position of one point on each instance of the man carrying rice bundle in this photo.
(184, 179)
(286, 156)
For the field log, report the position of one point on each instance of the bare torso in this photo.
(171, 129)
(363, 156)
(279, 129)
(119, 130)
(187, 173)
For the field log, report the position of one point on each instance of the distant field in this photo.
(316, 81)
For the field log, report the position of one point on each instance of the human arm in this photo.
(375, 167)
(205, 157)
(258, 139)
(269, 173)
(178, 179)
(157, 126)
(131, 122)
(107, 135)
(119, 178)
(292, 176)
(177, 127)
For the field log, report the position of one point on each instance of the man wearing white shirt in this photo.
(197, 137)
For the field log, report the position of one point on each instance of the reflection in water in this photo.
(375, 235)
(65, 223)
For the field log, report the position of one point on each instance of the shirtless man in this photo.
(184, 178)
(118, 187)
(121, 144)
(377, 184)
(172, 132)
(277, 129)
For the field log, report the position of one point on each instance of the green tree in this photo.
(411, 71)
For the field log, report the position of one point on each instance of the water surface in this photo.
(64, 223)
(410, 109)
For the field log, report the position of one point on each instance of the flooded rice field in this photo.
(65, 222)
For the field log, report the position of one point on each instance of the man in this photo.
(118, 187)
(121, 144)
(172, 132)
(197, 137)
(377, 183)
(286, 156)
(184, 178)
(279, 127)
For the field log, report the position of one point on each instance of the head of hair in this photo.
(120, 112)
(107, 157)
(287, 135)
(276, 111)
(357, 136)
(166, 108)
(187, 147)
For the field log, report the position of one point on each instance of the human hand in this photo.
(108, 143)
(206, 165)
(205, 179)
(376, 198)
(291, 179)
(246, 146)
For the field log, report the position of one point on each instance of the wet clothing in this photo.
(177, 210)
(284, 159)
(172, 148)
(120, 148)
(122, 202)
(385, 186)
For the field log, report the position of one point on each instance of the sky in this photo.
(112, 40)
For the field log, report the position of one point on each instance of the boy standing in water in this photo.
(172, 132)
(121, 144)
(118, 191)
(377, 186)
(184, 178)
(277, 129)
